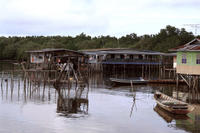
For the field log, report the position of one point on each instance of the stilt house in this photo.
(47, 58)
(188, 58)
(188, 67)
(122, 60)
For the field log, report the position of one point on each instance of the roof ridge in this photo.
(189, 43)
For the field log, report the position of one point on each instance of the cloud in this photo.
(94, 17)
(179, 3)
(50, 17)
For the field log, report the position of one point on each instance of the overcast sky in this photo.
(95, 17)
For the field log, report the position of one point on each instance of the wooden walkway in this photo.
(165, 81)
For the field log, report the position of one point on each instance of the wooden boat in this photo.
(117, 81)
(172, 105)
(167, 116)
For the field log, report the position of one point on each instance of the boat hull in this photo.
(124, 82)
(182, 109)
(174, 111)
(167, 116)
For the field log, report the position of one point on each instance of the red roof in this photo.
(193, 45)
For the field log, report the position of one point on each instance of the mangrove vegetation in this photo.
(13, 47)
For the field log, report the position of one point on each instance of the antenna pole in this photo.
(195, 26)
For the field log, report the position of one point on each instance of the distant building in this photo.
(42, 59)
(127, 56)
(188, 58)
(124, 61)
(46, 55)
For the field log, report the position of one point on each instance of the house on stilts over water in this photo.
(60, 64)
(125, 63)
(47, 59)
(65, 70)
(188, 66)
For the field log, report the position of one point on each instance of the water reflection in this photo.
(14, 90)
(189, 122)
(68, 104)
(168, 117)
(192, 124)
(69, 101)
(31, 107)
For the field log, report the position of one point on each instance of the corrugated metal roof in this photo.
(126, 51)
(169, 54)
(103, 49)
(53, 50)
(193, 45)
(45, 50)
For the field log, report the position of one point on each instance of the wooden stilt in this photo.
(6, 88)
(177, 85)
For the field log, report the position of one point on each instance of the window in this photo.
(122, 56)
(131, 56)
(140, 57)
(198, 59)
(184, 59)
(136, 56)
(112, 56)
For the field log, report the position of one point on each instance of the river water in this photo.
(110, 110)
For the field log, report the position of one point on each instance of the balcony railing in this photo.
(131, 61)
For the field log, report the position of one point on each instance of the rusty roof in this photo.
(193, 45)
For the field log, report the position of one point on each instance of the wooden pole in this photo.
(12, 85)
(177, 85)
(25, 89)
(2, 84)
(6, 88)
(124, 71)
(142, 71)
(149, 70)
(2, 75)
(30, 94)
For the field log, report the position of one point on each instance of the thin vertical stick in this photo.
(134, 99)
(6, 88)
(12, 85)
(2, 84)
(18, 88)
